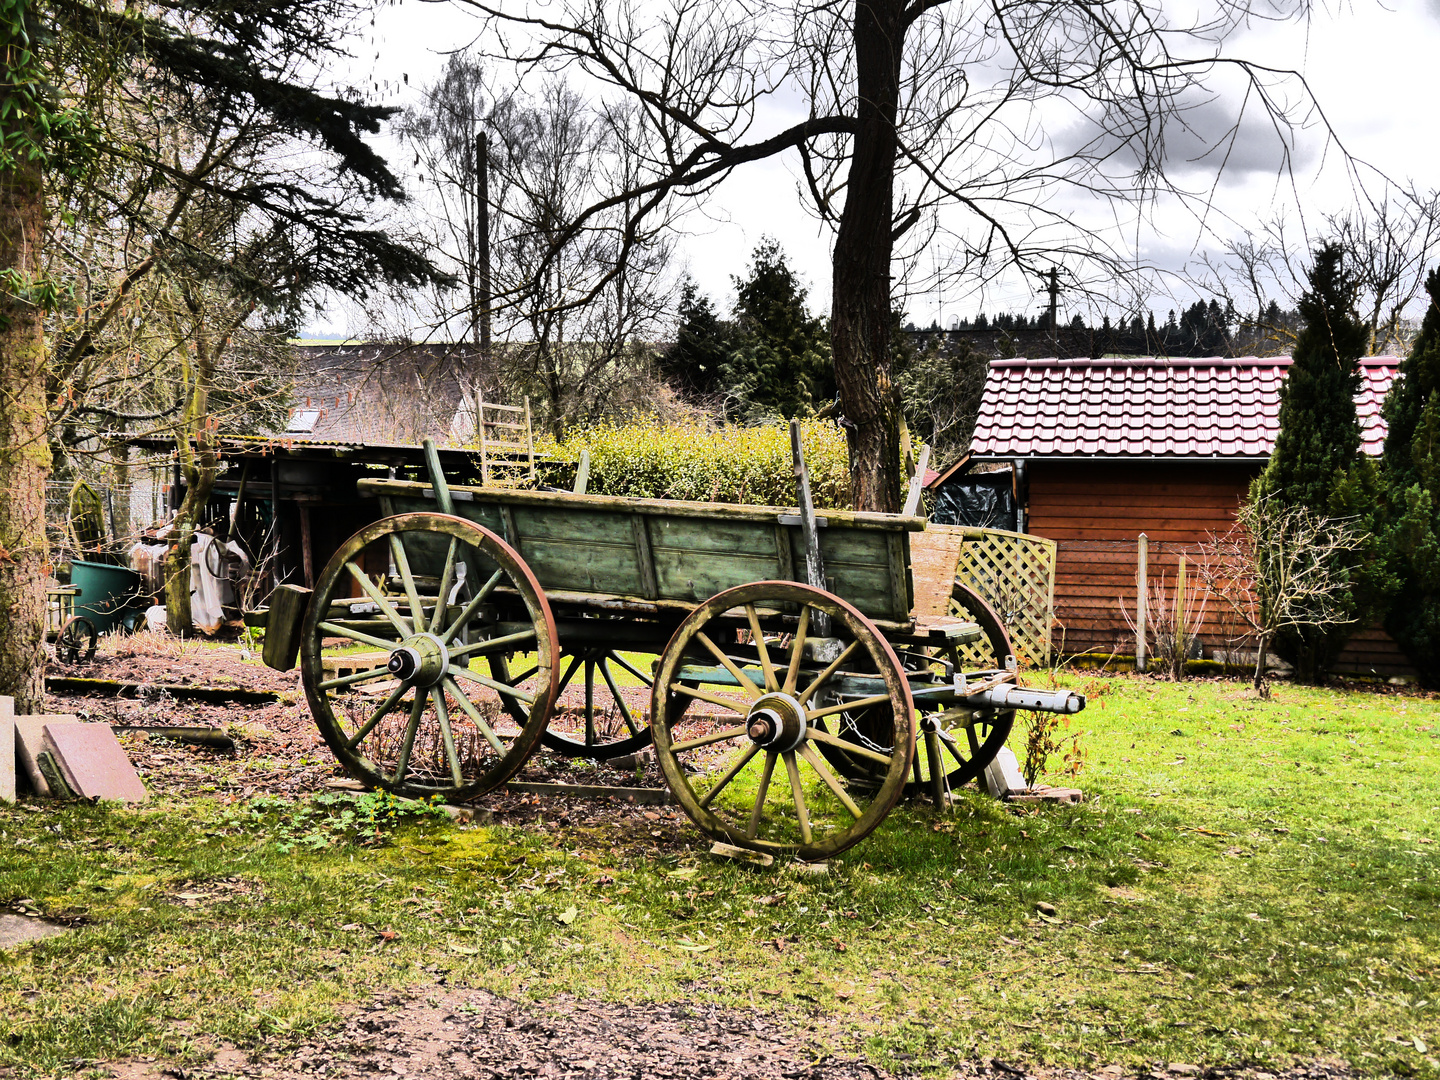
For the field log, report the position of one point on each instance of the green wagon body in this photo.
(652, 555)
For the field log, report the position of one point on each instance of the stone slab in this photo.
(1003, 776)
(7, 749)
(94, 763)
(18, 929)
(1062, 796)
(30, 741)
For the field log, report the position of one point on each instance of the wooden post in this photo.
(529, 438)
(1142, 588)
(814, 568)
(1182, 645)
(917, 483)
(480, 429)
(582, 474)
(306, 556)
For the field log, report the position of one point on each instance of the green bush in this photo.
(707, 464)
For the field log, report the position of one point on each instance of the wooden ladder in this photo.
(507, 442)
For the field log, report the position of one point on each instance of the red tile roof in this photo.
(1213, 407)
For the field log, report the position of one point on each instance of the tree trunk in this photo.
(860, 304)
(24, 452)
(200, 466)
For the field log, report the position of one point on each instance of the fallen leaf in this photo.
(1419, 1044)
(567, 916)
(684, 873)
(840, 946)
(692, 948)
(463, 951)
(388, 935)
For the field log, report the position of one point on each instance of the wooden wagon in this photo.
(787, 664)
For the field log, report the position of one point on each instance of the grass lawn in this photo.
(1249, 882)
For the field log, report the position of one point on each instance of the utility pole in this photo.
(1054, 306)
(482, 238)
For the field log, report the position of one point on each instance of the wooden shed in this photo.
(1104, 450)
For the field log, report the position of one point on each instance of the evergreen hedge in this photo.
(728, 463)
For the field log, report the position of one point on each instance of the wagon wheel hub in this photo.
(421, 659)
(776, 722)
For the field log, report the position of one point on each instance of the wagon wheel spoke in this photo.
(468, 611)
(402, 563)
(647, 680)
(380, 599)
(447, 737)
(407, 740)
(368, 675)
(752, 828)
(375, 717)
(742, 680)
(797, 651)
(504, 643)
(468, 707)
(847, 706)
(811, 755)
(615, 693)
(822, 736)
(792, 770)
(445, 582)
(569, 672)
(704, 695)
(336, 630)
(495, 684)
(731, 773)
(824, 676)
(711, 739)
(757, 636)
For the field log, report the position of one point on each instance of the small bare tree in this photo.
(1279, 568)
(1173, 618)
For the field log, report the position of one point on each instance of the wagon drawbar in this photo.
(790, 677)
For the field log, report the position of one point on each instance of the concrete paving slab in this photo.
(30, 740)
(18, 929)
(94, 763)
(7, 749)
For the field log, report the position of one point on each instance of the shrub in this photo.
(707, 464)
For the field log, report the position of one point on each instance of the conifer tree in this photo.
(1411, 466)
(702, 345)
(781, 364)
(1314, 463)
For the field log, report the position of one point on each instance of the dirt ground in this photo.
(466, 1034)
(473, 1035)
(279, 751)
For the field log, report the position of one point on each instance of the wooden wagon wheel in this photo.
(769, 723)
(958, 747)
(414, 717)
(609, 726)
(965, 752)
(76, 641)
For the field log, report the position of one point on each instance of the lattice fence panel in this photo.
(1015, 573)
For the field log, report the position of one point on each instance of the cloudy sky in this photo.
(1369, 66)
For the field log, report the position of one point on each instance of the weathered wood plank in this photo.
(644, 558)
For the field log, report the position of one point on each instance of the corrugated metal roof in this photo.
(1215, 407)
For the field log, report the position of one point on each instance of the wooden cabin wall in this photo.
(1096, 510)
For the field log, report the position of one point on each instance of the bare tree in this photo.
(1388, 244)
(574, 310)
(1280, 568)
(908, 104)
